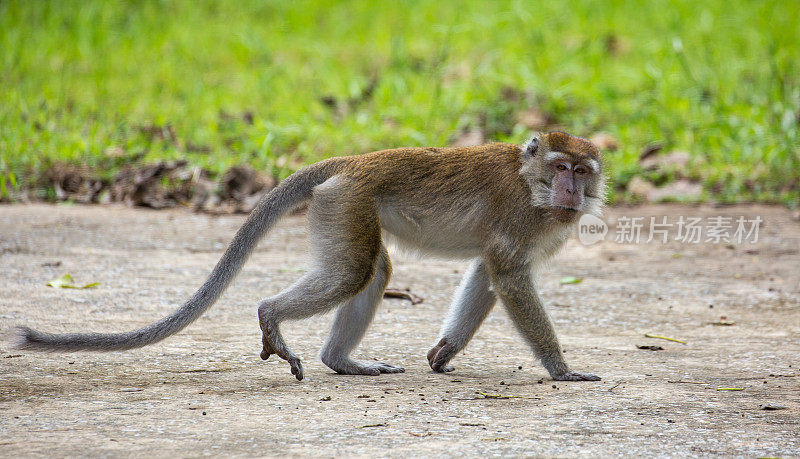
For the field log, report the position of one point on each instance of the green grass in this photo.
(720, 79)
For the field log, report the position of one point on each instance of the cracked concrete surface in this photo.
(206, 392)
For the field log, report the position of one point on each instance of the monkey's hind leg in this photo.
(472, 303)
(346, 247)
(351, 323)
(316, 292)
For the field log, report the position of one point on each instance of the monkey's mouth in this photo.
(565, 214)
(566, 209)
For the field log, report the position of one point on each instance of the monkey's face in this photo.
(565, 174)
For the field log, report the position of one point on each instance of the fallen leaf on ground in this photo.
(676, 160)
(640, 188)
(771, 407)
(570, 280)
(604, 141)
(650, 348)
(650, 150)
(679, 189)
(535, 119)
(66, 281)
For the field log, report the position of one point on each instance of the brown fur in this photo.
(442, 179)
(561, 141)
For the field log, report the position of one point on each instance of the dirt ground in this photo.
(206, 392)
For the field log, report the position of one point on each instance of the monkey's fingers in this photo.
(576, 376)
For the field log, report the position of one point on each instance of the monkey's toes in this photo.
(297, 368)
(386, 368)
(348, 366)
(576, 376)
(440, 355)
(435, 350)
(375, 369)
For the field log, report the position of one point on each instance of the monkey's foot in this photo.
(440, 355)
(576, 376)
(354, 367)
(273, 344)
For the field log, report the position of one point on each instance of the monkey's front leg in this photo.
(472, 303)
(512, 282)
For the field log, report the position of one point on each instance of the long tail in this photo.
(290, 193)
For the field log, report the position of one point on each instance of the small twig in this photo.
(402, 294)
(687, 382)
(498, 396)
(650, 335)
(721, 323)
(615, 386)
(373, 425)
(730, 388)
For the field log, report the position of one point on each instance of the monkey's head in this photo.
(565, 175)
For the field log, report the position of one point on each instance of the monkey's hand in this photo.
(440, 356)
(576, 376)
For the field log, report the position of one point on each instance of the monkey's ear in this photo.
(532, 146)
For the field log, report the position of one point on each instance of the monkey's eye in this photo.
(580, 170)
(561, 167)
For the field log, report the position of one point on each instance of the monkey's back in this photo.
(441, 200)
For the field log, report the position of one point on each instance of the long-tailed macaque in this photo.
(506, 207)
